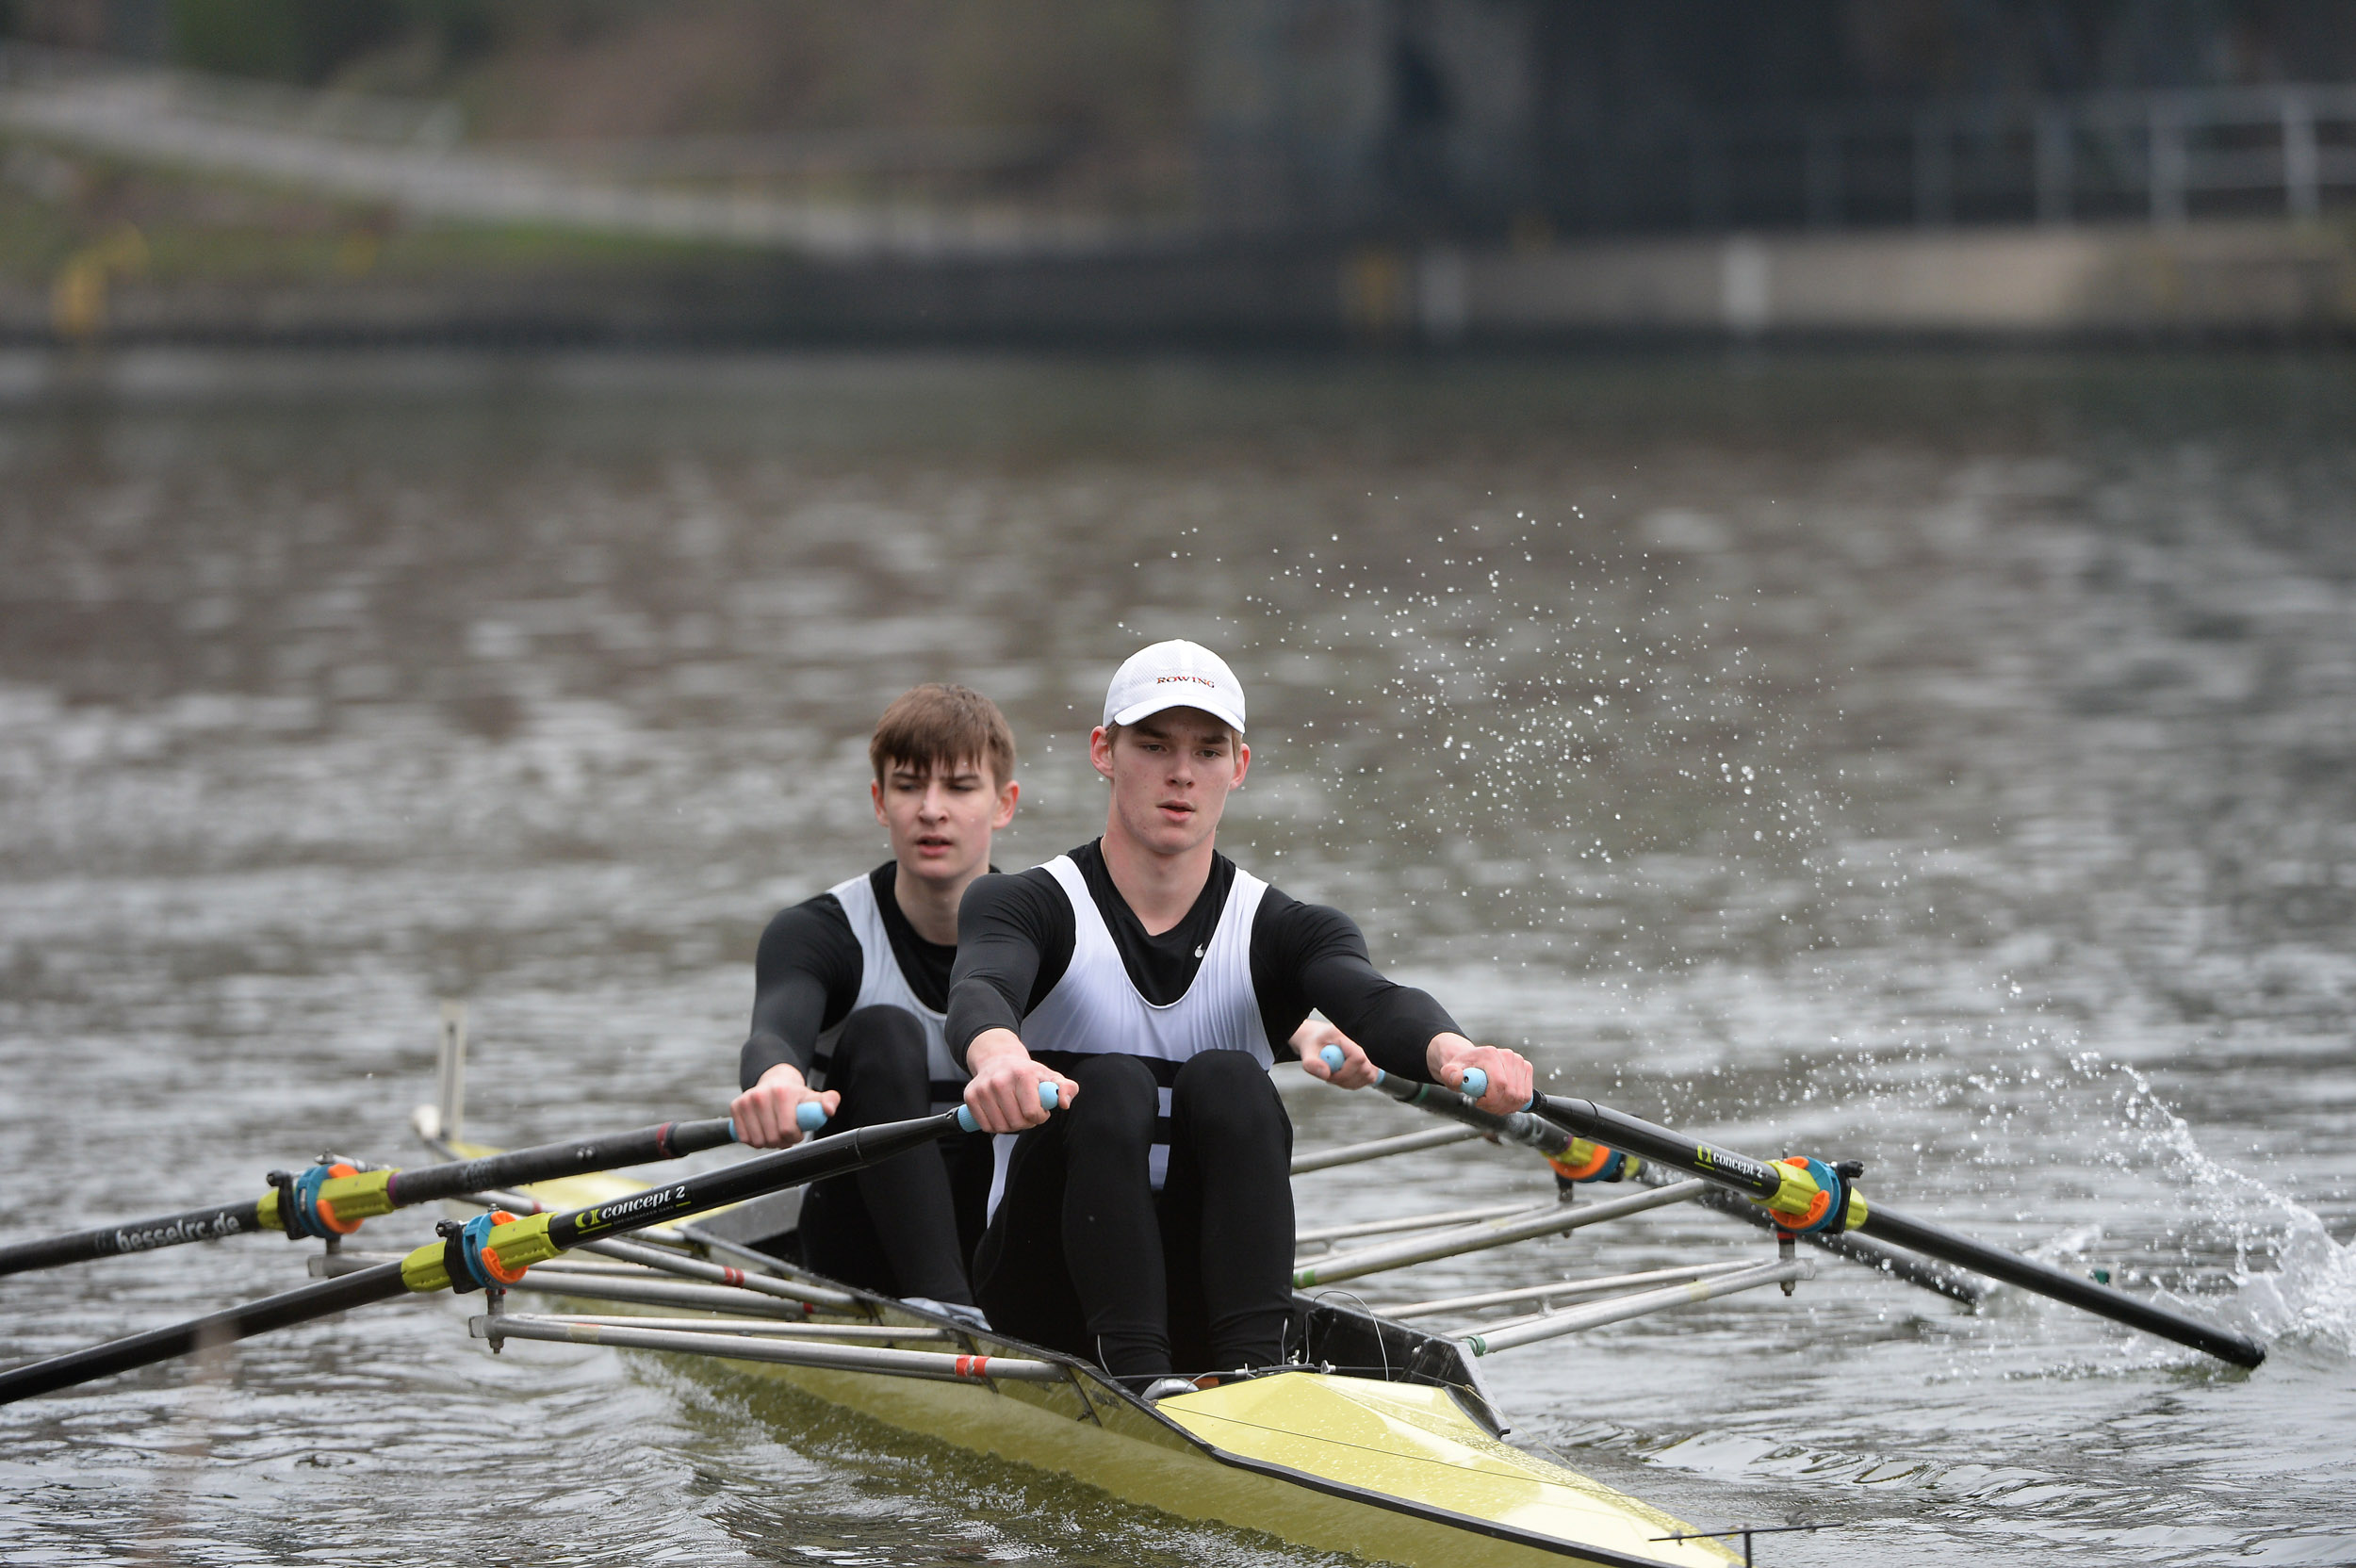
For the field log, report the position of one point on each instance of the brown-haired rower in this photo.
(850, 990)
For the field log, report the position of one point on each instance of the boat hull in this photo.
(1322, 1492)
(1410, 1471)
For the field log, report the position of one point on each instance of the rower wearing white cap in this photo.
(1152, 981)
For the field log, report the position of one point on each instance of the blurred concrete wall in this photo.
(1292, 100)
(1481, 118)
(1338, 114)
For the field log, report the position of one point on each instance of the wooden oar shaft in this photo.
(322, 1299)
(1758, 1178)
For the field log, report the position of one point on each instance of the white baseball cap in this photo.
(1174, 675)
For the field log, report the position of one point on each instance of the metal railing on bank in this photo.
(2165, 158)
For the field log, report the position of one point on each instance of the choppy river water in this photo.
(1949, 762)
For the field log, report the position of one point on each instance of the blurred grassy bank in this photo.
(58, 203)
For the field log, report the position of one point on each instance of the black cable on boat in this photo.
(332, 1197)
(491, 1250)
(1765, 1182)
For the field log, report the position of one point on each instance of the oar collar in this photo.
(329, 1199)
(1593, 1162)
(487, 1252)
(1816, 1199)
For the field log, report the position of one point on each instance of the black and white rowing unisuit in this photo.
(1055, 955)
(820, 962)
(1097, 1009)
(847, 993)
(884, 983)
(1191, 1265)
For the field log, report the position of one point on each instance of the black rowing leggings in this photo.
(907, 1226)
(1082, 1257)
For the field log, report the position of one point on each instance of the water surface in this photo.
(1949, 762)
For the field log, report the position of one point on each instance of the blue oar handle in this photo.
(1475, 1082)
(808, 1116)
(1048, 1100)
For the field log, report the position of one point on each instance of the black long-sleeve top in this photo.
(806, 976)
(1014, 940)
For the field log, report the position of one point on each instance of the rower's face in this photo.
(941, 818)
(1172, 772)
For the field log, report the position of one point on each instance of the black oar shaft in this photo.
(1621, 1131)
(1520, 1127)
(2043, 1278)
(425, 1184)
(1525, 1128)
(551, 1162)
(138, 1236)
(320, 1299)
(813, 1161)
(1955, 1284)
(807, 1161)
(1758, 1178)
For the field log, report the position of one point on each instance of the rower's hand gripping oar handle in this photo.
(1475, 1082)
(1573, 1159)
(494, 1249)
(1049, 1098)
(808, 1116)
(1474, 1085)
